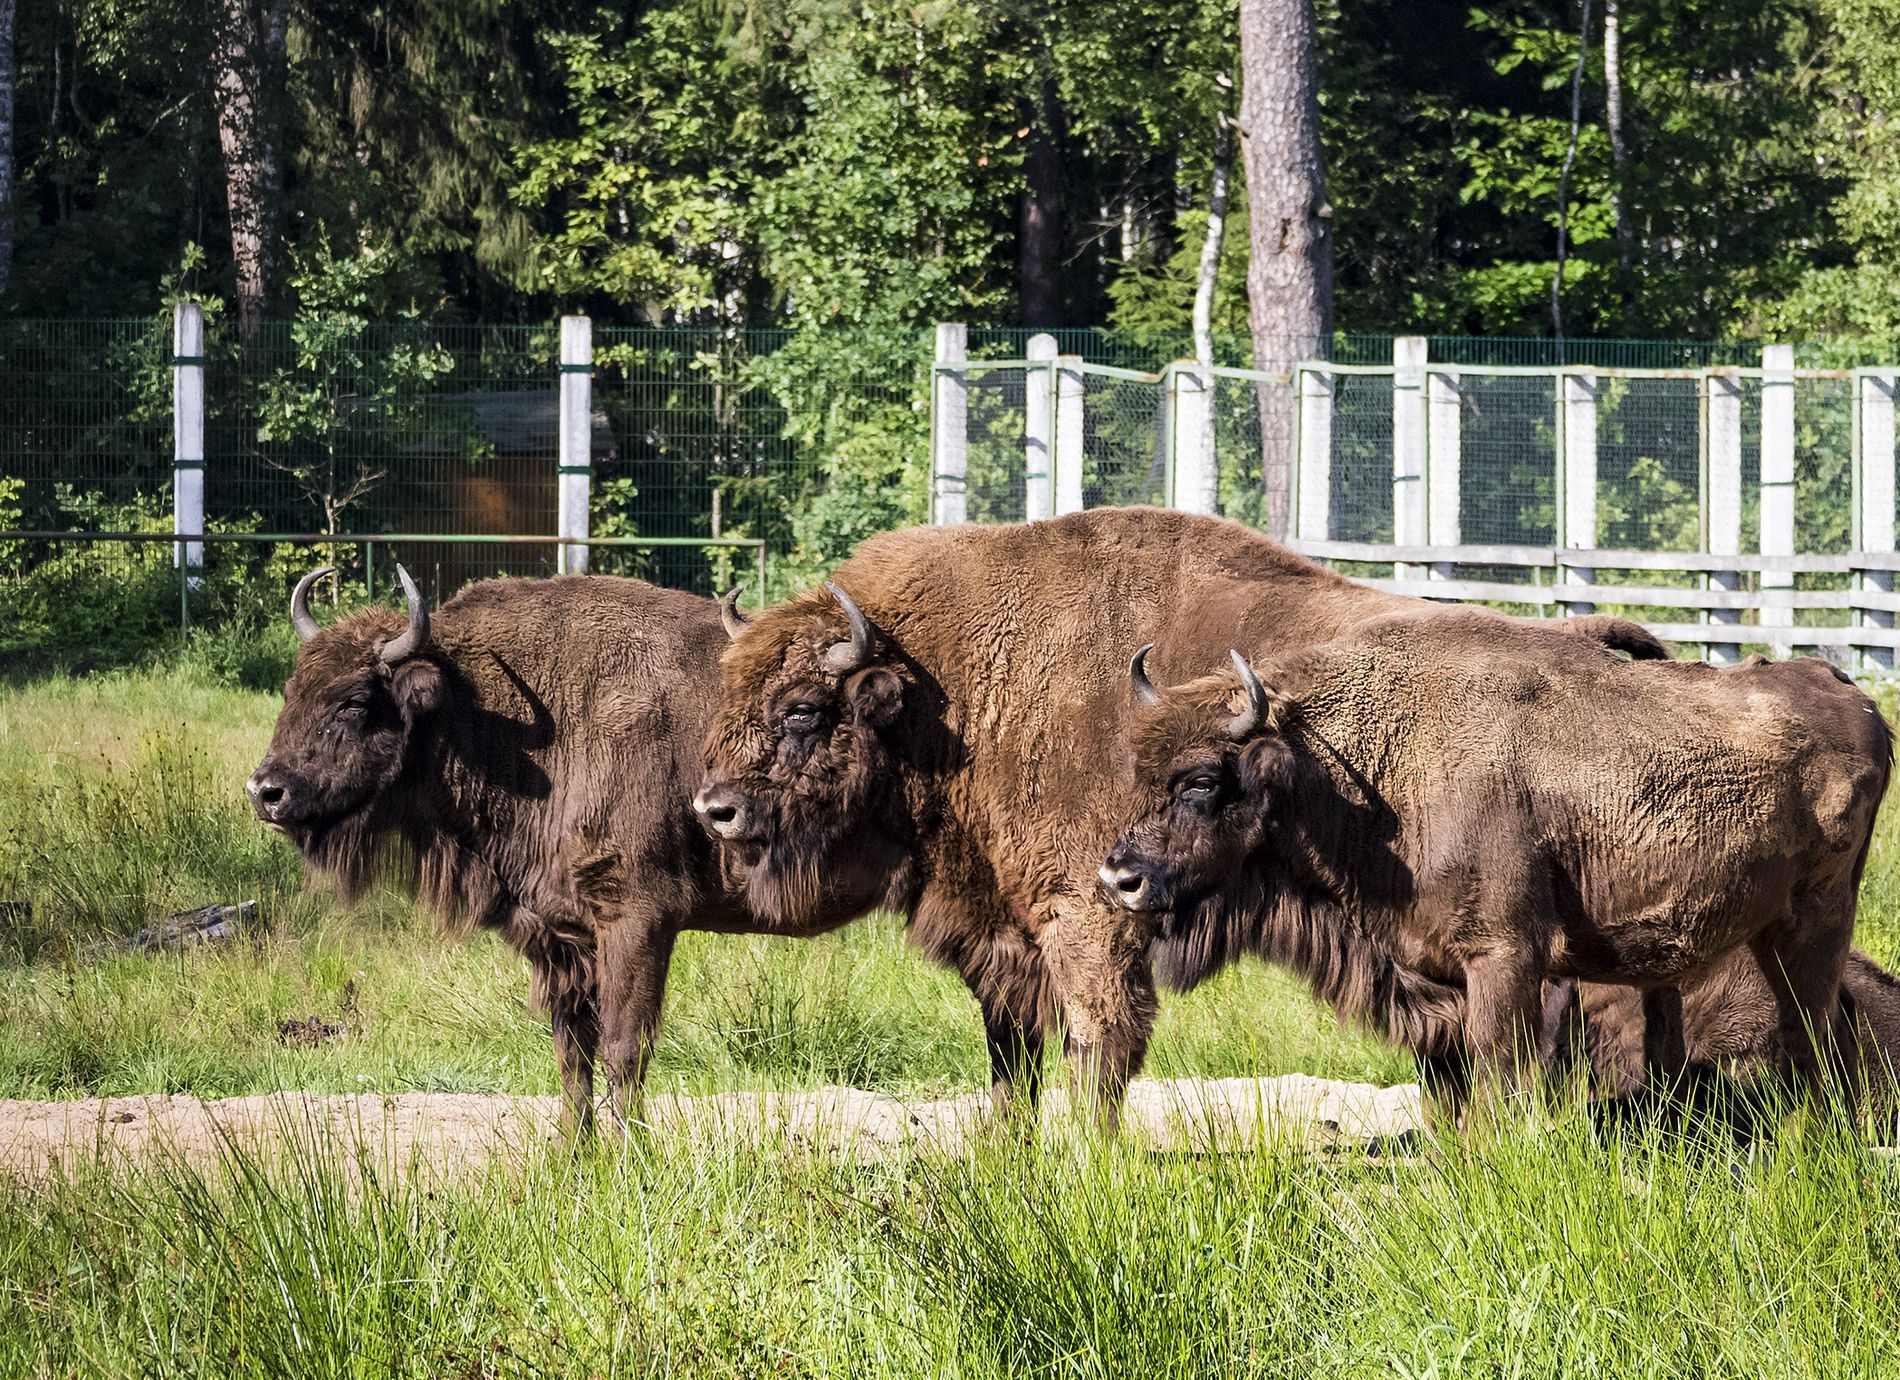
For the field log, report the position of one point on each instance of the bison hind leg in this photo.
(1803, 967)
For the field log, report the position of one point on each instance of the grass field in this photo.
(1543, 1248)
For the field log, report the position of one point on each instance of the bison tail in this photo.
(1619, 635)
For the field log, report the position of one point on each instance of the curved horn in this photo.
(300, 618)
(729, 614)
(845, 657)
(1145, 691)
(1259, 703)
(409, 643)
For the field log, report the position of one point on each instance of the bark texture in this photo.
(1039, 267)
(6, 142)
(247, 55)
(1290, 272)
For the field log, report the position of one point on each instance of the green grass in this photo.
(1542, 1248)
(1533, 1252)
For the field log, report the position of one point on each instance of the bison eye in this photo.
(801, 718)
(1199, 790)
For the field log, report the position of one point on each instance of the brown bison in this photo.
(528, 755)
(1729, 1028)
(1453, 805)
(938, 732)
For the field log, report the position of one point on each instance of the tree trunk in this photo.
(1619, 147)
(1211, 247)
(247, 55)
(1290, 271)
(1039, 261)
(6, 143)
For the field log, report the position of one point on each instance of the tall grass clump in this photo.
(1539, 1249)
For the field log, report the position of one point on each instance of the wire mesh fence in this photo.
(1003, 467)
(808, 441)
(1124, 458)
(341, 425)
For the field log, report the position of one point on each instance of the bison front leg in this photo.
(1014, 1037)
(1503, 1009)
(576, 1036)
(1105, 990)
(635, 954)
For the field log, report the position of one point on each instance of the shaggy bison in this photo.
(528, 755)
(1445, 808)
(938, 732)
(1729, 1027)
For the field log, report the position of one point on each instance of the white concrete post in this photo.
(1190, 430)
(1876, 461)
(1578, 417)
(1777, 472)
(188, 437)
(1722, 446)
(950, 427)
(577, 438)
(1409, 439)
(1315, 519)
(1444, 447)
(1071, 394)
(1039, 430)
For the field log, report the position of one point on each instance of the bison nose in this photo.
(268, 796)
(720, 813)
(1125, 886)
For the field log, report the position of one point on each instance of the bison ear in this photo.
(875, 696)
(1266, 767)
(417, 686)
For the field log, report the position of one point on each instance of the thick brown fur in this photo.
(529, 770)
(968, 774)
(1730, 1030)
(1489, 805)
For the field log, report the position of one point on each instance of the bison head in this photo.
(1209, 765)
(803, 783)
(351, 710)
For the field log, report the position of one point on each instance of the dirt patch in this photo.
(466, 1129)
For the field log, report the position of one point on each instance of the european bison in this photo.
(1729, 1027)
(1443, 806)
(528, 755)
(937, 732)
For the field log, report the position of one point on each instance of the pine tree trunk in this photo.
(6, 143)
(1290, 271)
(1039, 261)
(247, 55)
(1619, 148)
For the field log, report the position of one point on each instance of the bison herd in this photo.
(1120, 748)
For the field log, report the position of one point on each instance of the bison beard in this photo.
(966, 773)
(522, 761)
(1487, 813)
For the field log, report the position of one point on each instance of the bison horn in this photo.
(1259, 703)
(1145, 690)
(846, 657)
(729, 614)
(300, 618)
(408, 643)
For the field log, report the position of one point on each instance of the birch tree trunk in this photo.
(1209, 272)
(1619, 147)
(1290, 270)
(6, 142)
(247, 55)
